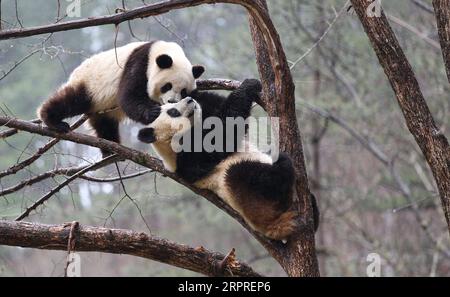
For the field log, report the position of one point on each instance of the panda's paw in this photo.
(252, 86)
(61, 127)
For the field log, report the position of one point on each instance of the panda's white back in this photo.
(101, 75)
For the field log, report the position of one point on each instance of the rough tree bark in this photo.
(420, 122)
(298, 257)
(116, 241)
(442, 11)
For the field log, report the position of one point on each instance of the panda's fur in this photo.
(248, 180)
(125, 82)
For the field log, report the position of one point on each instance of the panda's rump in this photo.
(217, 181)
(262, 192)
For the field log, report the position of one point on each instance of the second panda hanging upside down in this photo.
(259, 188)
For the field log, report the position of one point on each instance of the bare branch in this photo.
(115, 179)
(55, 190)
(17, 64)
(14, 169)
(218, 84)
(41, 177)
(423, 5)
(116, 241)
(365, 142)
(115, 19)
(420, 121)
(409, 27)
(442, 10)
(319, 40)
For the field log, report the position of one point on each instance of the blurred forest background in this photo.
(375, 191)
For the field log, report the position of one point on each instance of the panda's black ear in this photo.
(164, 61)
(197, 71)
(147, 135)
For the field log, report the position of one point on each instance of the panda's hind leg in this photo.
(105, 127)
(262, 193)
(67, 102)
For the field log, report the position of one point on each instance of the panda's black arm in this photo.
(239, 102)
(210, 102)
(132, 94)
(139, 109)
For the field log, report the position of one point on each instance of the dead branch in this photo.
(41, 177)
(55, 190)
(115, 179)
(116, 241)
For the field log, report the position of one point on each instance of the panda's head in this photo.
(174, 119)
(171, 76)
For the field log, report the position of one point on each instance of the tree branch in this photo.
(14, 169)
(442, 11)
(41, 177)
(420, 122)
(218, 84)
(58, 188)
(116, 241)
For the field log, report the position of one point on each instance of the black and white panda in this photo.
(127, 82)
(248, 180)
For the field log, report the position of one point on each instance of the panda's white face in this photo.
(175, 85)
(175, 118)
(171, 76)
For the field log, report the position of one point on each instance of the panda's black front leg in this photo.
(139, 109)
(239, 102)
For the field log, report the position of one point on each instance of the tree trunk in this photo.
(299, 255)
(420, 122)
(442, 10)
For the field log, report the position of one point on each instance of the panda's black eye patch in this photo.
(184, 93)
(166, 88)
(174, 113)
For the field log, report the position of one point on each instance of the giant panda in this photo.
(257, 187)
(126, 82)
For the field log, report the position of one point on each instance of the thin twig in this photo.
(131, 199)
(55, 190)
(17, 64)
(343, 9)
(115, 179)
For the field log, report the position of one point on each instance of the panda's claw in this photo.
(61, 127)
